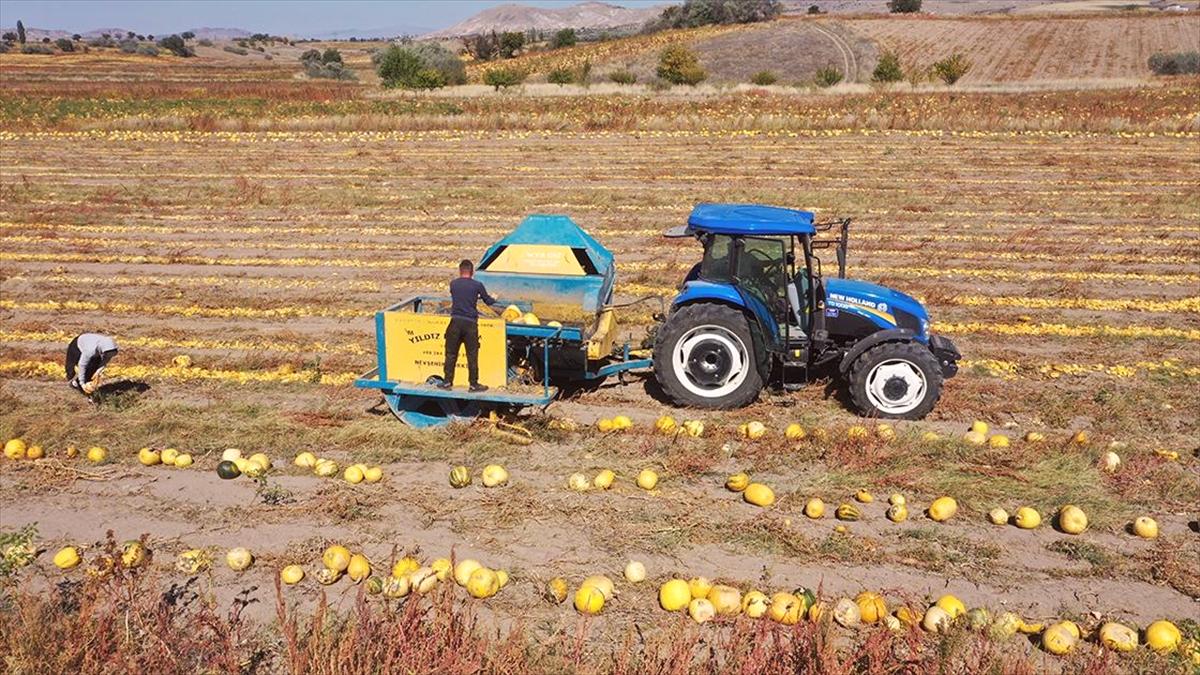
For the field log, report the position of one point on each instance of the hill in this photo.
(514, 17)
(1002, 49)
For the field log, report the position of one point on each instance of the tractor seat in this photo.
(799, 311)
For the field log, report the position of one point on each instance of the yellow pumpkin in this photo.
(785, 608)
(483, 583)
(292, 574)
(604, 480)
(1163, 636)
(674, 595)
(755, 604)
(759, 495)
(238, 559)
(1027, 518)
(725, 600)
(647, 479)
(943, 509)
(460, 477)
(1118, 637)
(359, 568)
(494, 475)
(814, 508)
(556, 590)
(737, 482)
(1072, 519)
(66, 558)
(701, 610)
(871, 606)
(463, 571)
(336, 558)
(1059, 639)
(589, 600)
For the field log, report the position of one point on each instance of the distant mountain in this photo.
(513, 17)
(374, 33)
(221, 33)
(36, 34)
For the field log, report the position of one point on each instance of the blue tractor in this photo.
(757, 309)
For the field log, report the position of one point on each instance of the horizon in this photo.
(261, 16)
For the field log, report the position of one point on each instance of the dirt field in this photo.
(1053, 236)
(1011, 49)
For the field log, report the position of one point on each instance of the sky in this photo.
(280, 17)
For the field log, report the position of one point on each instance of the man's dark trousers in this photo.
(462, 332)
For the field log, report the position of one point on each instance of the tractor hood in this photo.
(886, 307)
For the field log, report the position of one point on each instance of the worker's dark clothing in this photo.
(465, 293)
(86, 354)
(462, 332)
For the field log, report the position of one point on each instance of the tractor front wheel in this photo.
(704, 357)
(895, 380)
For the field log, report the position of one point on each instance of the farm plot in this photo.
(1063, 264)
(1026, 49)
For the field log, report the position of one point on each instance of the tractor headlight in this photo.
(924, 327)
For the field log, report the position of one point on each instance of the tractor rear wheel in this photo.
(704, 357)
(895, 380)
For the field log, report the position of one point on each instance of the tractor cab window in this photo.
(715, 264)
(762, 269)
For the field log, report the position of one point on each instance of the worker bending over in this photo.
(465, 293)
(87, 355)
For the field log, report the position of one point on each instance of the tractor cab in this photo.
(756, 310)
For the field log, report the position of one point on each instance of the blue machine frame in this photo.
(410, 401)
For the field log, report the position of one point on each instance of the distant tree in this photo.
(904, 6)
(77, 37)
(1175, 63)
(20, 32)
(150, 38)
(106, 36)
(504, 77)
(482, 47)
(310, 55)
(187, 35)
(403, 67)
(828, 76)
(176, 45)
(622, 77)
(9, 37)
(564, 38)
(511, 42)
(952, 68)
(888, 69)
(560, 76)
(129, 35)
(64, 44)
(46, 40)
(814, 9)
(432, 56)
(764, 78)
(693, 13)
(331, 55)
(678, 64)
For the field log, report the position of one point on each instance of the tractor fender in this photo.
(879, 337)
(703, 291)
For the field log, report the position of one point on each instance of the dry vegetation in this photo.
(255, 223)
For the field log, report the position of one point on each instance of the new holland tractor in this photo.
(756, 311)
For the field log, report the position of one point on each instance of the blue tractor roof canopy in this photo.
(749, 219)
